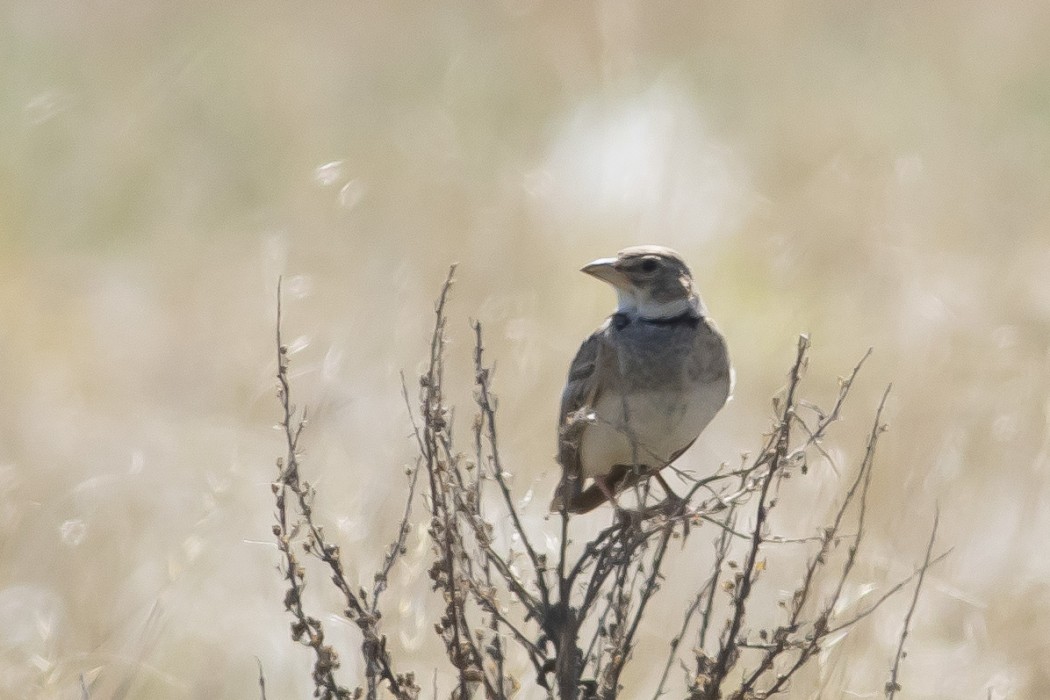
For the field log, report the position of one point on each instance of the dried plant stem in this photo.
(892, 685)
(306, 628)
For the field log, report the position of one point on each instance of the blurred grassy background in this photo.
(876, 175)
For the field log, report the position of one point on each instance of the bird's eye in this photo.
(648, 265)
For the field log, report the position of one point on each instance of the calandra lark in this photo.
(644, 385)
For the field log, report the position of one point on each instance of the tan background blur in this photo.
(873, 175)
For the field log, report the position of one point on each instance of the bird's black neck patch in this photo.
(686, 318)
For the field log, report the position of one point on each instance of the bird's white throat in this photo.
(631, 305)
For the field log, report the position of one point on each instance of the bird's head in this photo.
(651, 282)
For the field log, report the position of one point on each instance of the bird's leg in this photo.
(675, 504)
(671, 495)
(624, 516)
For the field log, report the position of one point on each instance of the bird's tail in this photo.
(566, 493)
(582, 501)
(573, 498)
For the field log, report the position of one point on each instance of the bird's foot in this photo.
(630, 518)
(674, 509)
(676, 505)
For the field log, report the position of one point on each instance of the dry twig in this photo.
(576, 621)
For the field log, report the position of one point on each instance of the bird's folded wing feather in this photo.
(580, 395)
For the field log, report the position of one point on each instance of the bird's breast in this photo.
(647, 427)
(660, 389)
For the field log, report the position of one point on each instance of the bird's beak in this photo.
(607, 270)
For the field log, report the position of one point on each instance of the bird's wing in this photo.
(581, 393)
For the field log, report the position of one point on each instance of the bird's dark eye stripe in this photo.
(648, 265)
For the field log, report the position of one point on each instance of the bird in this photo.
(642, 387)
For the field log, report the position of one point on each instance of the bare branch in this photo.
(890, 592)
(581, 616)
(892, 686)
(483, 398)
(306, 628)
(745, 579)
